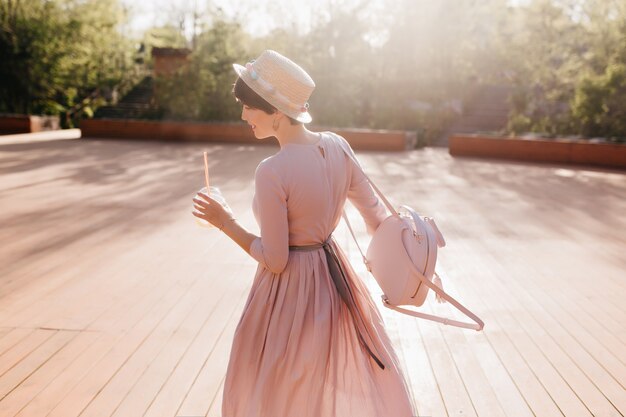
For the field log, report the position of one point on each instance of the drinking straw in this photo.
(206, 173)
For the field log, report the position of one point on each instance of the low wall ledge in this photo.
(363, 139)
(569, 151)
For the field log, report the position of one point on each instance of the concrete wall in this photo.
(385, 140)
(12, 124)
(539, 150)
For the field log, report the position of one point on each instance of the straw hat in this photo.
(281, 82)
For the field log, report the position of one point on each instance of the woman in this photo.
(310, 341)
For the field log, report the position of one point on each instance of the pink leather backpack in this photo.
(402, 256)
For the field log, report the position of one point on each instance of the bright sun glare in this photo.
(257, 17)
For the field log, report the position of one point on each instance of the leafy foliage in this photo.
(54, 53)
(600, 106)
(395, 64)
(565, 57)
(202, 89)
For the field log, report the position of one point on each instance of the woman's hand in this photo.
(220, 215)
(211, 210)
(437, 282)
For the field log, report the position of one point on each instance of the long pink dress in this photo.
(296, 351)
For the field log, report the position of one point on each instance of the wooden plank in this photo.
(403, 330)
(541, 332)
(74, 206)
(418, 369)
(590, 366)
(589, 327)
(546, 402)
(407, 186)
(454, 392)
(95, 291)
(19, 350)
(505, 322)
(521, 374)
(505, 343)
(63, 279)
(29, 388)
(558, 284)
(557, 358)
(126, 378)
(487, 398)
(209, 377)
(520, 242)
(532, 231)
(32, 359)
(216, 403)
(119, 348)
(123, 315)
(504, 385)
(165, 365)
(460, 343)
(10, 337)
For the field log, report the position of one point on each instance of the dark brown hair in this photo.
(248, 97)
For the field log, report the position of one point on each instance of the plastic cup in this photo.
(215, 194)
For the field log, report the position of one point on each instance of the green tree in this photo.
(598, 107)
(599, 104)
(544, 55)
(202, 90)
(33, 41)
(53, 52)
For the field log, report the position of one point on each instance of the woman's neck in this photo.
(298, 134)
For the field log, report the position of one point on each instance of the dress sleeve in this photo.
(362, 196)
(271, 249)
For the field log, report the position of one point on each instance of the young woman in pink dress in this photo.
(310, 341)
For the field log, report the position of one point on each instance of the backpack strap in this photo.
(438, 290)
(365, 261)
(475, 326)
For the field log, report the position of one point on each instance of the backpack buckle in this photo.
(367, 264)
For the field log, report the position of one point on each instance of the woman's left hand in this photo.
(211, 210)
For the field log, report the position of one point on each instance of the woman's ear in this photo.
(278, 119)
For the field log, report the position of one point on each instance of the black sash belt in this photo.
(340, 279)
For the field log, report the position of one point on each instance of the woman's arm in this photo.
(239, 234)
(362, 195)
(271, 248)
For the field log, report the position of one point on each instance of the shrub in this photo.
(599, 105)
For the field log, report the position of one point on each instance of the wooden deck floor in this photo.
(114, 303)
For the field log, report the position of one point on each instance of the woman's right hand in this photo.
(211, 210)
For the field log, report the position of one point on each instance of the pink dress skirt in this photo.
(300, 350)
